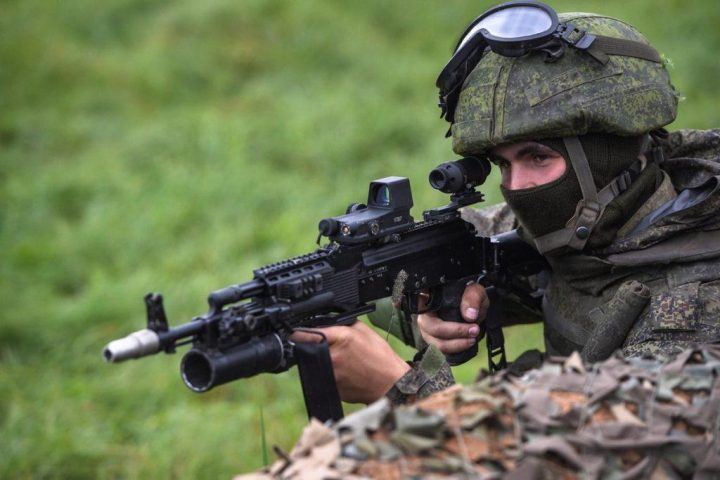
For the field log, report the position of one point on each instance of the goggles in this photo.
(516, 28)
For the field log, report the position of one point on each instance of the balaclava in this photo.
(547, 208)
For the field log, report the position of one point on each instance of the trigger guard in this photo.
(407, 306)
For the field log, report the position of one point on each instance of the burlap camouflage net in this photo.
(622, 418)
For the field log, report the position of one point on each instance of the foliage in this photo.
(174, 146)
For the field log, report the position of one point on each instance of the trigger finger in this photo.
(451, 346)
(300, 336)
(431, 326)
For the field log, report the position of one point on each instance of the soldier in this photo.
(571, 107)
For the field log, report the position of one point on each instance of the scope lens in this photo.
(382, 196)
(438, 179)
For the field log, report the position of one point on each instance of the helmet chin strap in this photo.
(591, 207)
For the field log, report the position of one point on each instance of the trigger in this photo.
(409, 303)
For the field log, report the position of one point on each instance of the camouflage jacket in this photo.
(656, 288)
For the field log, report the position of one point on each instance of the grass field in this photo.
(176, 145)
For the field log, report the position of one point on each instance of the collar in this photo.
(662, 195)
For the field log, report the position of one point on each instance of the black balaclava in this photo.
(547, 208)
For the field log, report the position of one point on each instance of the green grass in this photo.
(175, 146)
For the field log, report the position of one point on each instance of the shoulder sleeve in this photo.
(490, 220)
(691, 143)
(691, 157)
(430, 373)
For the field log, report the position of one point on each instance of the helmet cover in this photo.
(507, 99)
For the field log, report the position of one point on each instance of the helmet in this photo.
(506, 99)
(562, 92)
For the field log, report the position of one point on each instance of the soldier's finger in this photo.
(474, 303)
(332, 335)
(305, 337)
(422, 300)
(435, 327)
(450, 346)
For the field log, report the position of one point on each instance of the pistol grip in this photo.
(450, 312)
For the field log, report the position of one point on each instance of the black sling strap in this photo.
(493, 326)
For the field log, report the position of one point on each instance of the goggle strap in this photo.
(603, 46)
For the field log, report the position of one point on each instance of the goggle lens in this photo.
(514, 29)
(511, 29)
(516, 22)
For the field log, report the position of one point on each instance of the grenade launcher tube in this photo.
(202, 370)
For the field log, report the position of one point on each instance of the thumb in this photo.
(474, 303)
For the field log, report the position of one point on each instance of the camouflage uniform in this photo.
(634, 271)
(676, 259)
(430, 374)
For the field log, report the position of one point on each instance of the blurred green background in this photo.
(174, 146)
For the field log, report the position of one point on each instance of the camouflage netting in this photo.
(619, 419)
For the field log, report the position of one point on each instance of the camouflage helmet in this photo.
(615, 83)
(506, 99)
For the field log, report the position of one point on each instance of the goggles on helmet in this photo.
(514, 29)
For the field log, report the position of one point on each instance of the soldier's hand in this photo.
(365, 365)
(454, 337)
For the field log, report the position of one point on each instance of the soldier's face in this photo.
(527, 164)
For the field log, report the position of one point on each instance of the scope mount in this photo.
(457, 201)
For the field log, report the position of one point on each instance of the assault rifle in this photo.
(376, 250)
